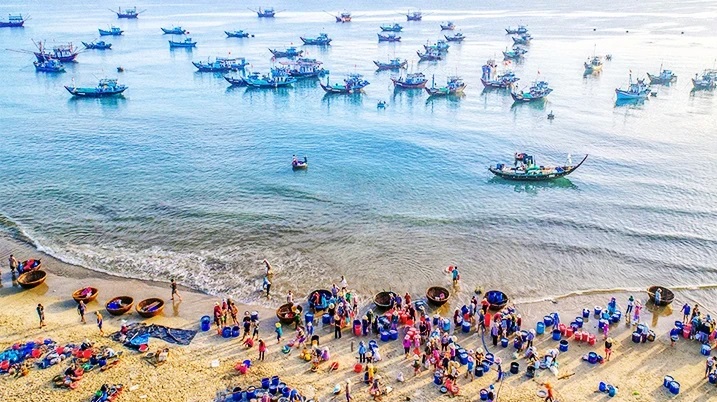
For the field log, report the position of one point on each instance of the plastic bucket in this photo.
(309, 317)
(548, 321)
(586, 313)
(251, 393)
(205, 323)
(275, 380)
(611, 391)
(326, 319)
(265, 382)
(384, 336)
(514, 367)
(463, 358)
(478, 371)
(602, 387)
(438, 378)
(667, 380)
(483, 395)
(540, 328)
(254, 316)
(636, 337)
(235, 331)
(466, 327)
(674, 387)
(530, 372)
(226, 332)
(712, 378)
(706, 350)
(273, 389)
(569, 332)
(563, 346)
(592, 339)
(504, 342)
(556, 335)
(446, 325)
(286, 392)
(579, 321)
(393, 335)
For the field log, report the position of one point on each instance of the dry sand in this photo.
(636, 369)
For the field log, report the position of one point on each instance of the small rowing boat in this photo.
(666, 295)
(437, 295)
(384, 299)
(151, 307)
(525, 169)
(31, 279)
(497, 299)
(86, 294)
(119, 305)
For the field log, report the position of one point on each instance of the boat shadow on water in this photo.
(105, 102)
(350, 99)
(536, 105)
(630, 103)
(536, 186)
(451, 99)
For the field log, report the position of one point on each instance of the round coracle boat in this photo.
(497, 299)
(384, 299)
(666, 295)
(86, 294)
(437, 295)
(285, 313)
(32, 279)
(119, 305)
(151, 307)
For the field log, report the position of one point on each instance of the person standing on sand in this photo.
(347, 389)
(709, 365)
(262, 349)
(41, 314)
(279, 332)
(99, 323)
(456, 276)
(174, 290)
(13, 265)
(636, 316)
(549, 393)
(337, 326)
(685, 313)
(628, 310)
(608, 349)
(218, 317)
(81, 308)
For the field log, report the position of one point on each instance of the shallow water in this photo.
(185, 176)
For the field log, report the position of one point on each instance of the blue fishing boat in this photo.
(454, 86)
(440, 46)
(456, 37)
(391, 37)
(429, 55)
(523, 39)
(538, 91)
(705, 81)
(106, 87)
(343, 17)
(410, 81)
(174, 31)
(14, 21)
(514, 54)
(290, 52)
(522, 29)
(525, 169)
(305, 68)
(277, 78)
(353, 83)
(63, 53)
(113, 31)
(635, 91)
(268, 12)
(414, 15)
(491, 78)
(393, 64)
(448, 26)
(321, 40)
(101, 45)
(128, 13)
(665, 77)
(49, 66)
(221, 65)
(593, 65)
(237, 34)
(186, 43)
(241, 81)
(391, 27)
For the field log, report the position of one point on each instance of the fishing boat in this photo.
(635, 91)
(32, 279)
(429, 55)
(395, 27)
(305, 68)
(353, 83)
(285, 313)
(101, 45)
(666, 295)
(241, 80)
(522, 29)
(62, 53)
(706, 81)
(391, 37)
(186, 43)
(414, 16)
(321, 40)
(440, 46)
(113, 31)
(119, 305)
(538, 91)
(497, 299)
(221, 65)
(128, 13)
(151, 307)
(437, 295)
(277, 78)
(14, 21)
(237, 34)
(515, 53)
(297, 164)
(289, 52)
(49, 66)
(448, 26)
(525, 169)
(454, 86)
(86, 294)
(266, 12)
(523, 39)
(384, 300)
(343, 17)
(174, 31)
(106, 87)
(665, 77)
(456, 37)
(593, 65)
(393, 64)
(410, 81)
(491, 78)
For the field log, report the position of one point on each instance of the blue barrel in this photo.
(393, 335)
(641, 328)
(675, 387)
(265, 382)
(479, 371)
(579, 321)
(706, 350)
(226, 332)
(602, 387)
(237, 394)
(490, 357)
(205, 323)
(464, 310)
(712, 378)
(466, 326)
(384, 336)
(602, 323)
(504, 342)
(678, 324)
(598, 311)
(636, 337)
(273, 389)
(286, 392)
(446, 325)
(586, 313)
(438, 378)
(563, 346)
(250, 393)
(235, 331)
(483, 395)
(592, 357)
(463, 358)
(309, 318)
(540, 328)
(611, 390)
(326, 319)
(294, 393)
(548, 321)
(667, 380)
(616, 317)
(556, 335)
(275, 380)
(254, 316)
(436, 319)
(485, 366)
(247, 363)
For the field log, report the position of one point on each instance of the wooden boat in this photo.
(393, 64)
(305, 68)
(221, 65)
(174, 31)
(414, 16)
(522, 29)
(454, 86)
(266, 12)
(288, 53)
(101, 45)
(456, 37)
(32, 279)
(515, 54)
(538, 91)
(429, 55)
(30, 265)
(593, 65)
(667, 296)
(353, 83)
(14, 21)
(128, 13)
(106, 87)
(151, 307)
(49, 66)
(491, 79)
(410, 81)
(391, 37)
(323, 293)
(391, 27)
(384, 299)
(285, 314)
(441, 46)
(113, 31)
(448, 26)
(119, 305)
(321, 40)
(523, 39)
(497, 299)
(343, 17)
(635, 91)
(86, 294)
(665, 77)
(62, 53)
(277, 78)
(531, 172)
(240, 81)
(237, 34)
(706, 81)
(186, 43)
(437, 295)
(299, 165)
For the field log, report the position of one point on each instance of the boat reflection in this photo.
(534, 188)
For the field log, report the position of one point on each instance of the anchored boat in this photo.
(522, 29)
(106, 87)
(14, 21)
(538, 91)
(593, 65)
(491, 78)
(221, 65)
(277, 78)
(441, 46)
(454, 86)
(353, 83)
(186, 43)
(393, 64)
(429, 55)
(174, 31)
(305, 68)
(515, 54)
(665, 77)
(241, 81)
(101, 45)
(410, 81)
(391, 27)
(707, 80)
(456, 37)
(128, 13)
(635, 91)
(523, 39)
(63, 53)
(266, 12)
(343, 17)
(391, 37)
(448, 26)
(49, 66)
(321, 40)
(113, 31)
(414, 15)
(290, 52)
(237, 34)
(525, 169)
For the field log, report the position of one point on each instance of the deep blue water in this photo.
(185, 176)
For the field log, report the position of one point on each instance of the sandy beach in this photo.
(637, 370)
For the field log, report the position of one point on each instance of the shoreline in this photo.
(637, 369)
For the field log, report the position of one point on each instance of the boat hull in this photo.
(385, 66)
(519, 98)
(12, 24)
(494, 84)
(403, 85)
(628, 96)
(173, 31)
(63, 59)
(92, 93)
(535, 177)
(127, 16)
(97, 47)
(315, 42)
(182, 45)
(236, 82)
(110, 33)
(656, 79)
(700, 84)
(236, 35)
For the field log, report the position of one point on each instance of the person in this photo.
(279, 332)
(628, 310)
(549, 393)
(337, 326)
(695, 312)
(347, 390)
(246, 324)
(262, 349)
(686, 313)
(267, 285)
(674, 335)
(494, 331)
(269, 269)
(248, 342)
(41, 314)
(255, 331)
(636, 315)
(99, 323)
(233, 311)
(456, 276)
(174, 290)
(709, 365)
(416, 365)
(608, 348)
(14, 264)
(406, 346)
(81, 308)
(375, 390)
(605, 331)
(658, 296)
(218, 317)
(343, 283)
(362, 352)
(290, 297)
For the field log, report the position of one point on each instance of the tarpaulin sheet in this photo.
(138, 331)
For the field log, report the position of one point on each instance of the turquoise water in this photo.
(187, 177)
